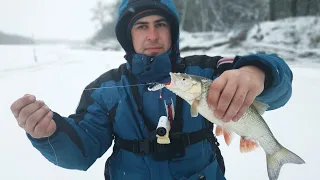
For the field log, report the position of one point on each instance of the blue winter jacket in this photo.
(86, 135)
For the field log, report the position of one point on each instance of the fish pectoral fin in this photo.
(194, 108)
(219, 130)
(228, 136)
(247, 145)
(260, 106)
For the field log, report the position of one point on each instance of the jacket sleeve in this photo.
(80, 138)
(278, 82)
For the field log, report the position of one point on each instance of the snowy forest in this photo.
(287, 27)
(215, 15)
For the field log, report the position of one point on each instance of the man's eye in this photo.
(161, 25)
(142, 27)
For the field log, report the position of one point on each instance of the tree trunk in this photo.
(318, 5)
(216, 14)
(308, 8)
(184, 13)
(272, 10)
(204, 17)
(294, 4)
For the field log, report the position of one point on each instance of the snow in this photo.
(59, 77)
(299, 32)
(295, 39)
(61, 73)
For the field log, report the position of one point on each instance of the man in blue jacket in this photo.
(128, 115)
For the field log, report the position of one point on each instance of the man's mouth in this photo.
(153, 48)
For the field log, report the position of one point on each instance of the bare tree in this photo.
(318, 6)
(307, 12)
(294, 4)
(216, 13)
(184, 13)
(204, 16)
(272, 10)
(100, 13)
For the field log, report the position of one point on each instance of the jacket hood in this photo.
(129, 8)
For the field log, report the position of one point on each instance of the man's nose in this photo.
(152, 34)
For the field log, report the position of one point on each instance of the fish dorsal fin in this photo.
(260, 106)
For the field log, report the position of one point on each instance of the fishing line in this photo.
(54, 152)
(87, 89)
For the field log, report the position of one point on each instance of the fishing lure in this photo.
(156, 86)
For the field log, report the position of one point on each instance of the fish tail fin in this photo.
(276, 160)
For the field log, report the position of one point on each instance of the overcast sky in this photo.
(67, 19)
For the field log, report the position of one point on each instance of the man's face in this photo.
(151, 35)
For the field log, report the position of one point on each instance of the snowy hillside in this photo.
(295, 39)
(300, 32)
(59, 77)
(292, 37)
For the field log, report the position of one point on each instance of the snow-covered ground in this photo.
(295, 39)
(59, 77)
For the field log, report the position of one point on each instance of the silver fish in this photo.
(251, 127)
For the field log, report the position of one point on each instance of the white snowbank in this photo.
(297, 40)
(299, 33)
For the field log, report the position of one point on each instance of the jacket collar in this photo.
(151, 69)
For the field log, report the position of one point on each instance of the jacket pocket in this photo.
(123, 167)
(118, 174)
(107, 165)
(210, 172)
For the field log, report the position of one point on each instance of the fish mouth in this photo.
(172, 79)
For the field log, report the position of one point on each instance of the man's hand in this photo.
(33, 116)
(234, 91)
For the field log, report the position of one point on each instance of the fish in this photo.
(251, 127)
